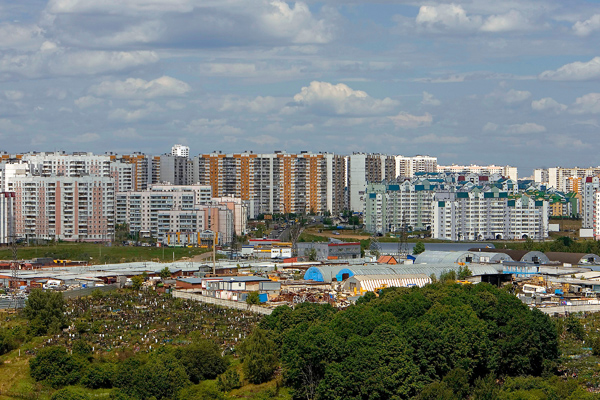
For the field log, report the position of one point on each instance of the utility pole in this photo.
(14, 265)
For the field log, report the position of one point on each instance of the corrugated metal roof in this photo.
(441, 257)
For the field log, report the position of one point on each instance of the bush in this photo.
(69, 394)
(56, 367)
(202, 360)
(99, 376)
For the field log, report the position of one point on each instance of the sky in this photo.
(481, 81)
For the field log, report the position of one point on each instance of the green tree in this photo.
(202, 360)
(229, 380)
(99, 375)
(311, 254)
(136, 282)
(259, 357)
(165, 273)
(253, 298)
(45, 312)
(56, 367)
(419, 248)
(464, 272)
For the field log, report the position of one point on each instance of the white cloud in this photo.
(432, 138)
(295, 23)
(87, 101)
(259, 104)
(8, 126)
(263, 140)
(135, 115)
(407, 121)
(587, 104)
(453, 17)
(584, 28)
(446, 17)
(14, 95)
(20, 36)
(63, 62)
(576, 71)
(490, 127)
(303, 128)
(327, 99)
(430, 100)
(132, 88)
(85, 138)
(516, 96)
(205, 126)
(511, 21)
(528, 127)
(548, 103)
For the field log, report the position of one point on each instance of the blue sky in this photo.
(480, 81)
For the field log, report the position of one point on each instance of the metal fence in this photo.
(6, 304)
(221, 302)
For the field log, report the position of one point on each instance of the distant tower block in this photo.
(180, 150)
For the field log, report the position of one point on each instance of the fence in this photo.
(7, 303)
(220, 302)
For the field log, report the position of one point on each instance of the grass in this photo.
(101, 254)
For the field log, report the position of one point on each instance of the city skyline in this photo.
(470, 82)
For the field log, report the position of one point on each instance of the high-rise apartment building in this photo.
(389, 207)
(489, 214)
(407, 167)
(180, 151)
(506, 171)
(276, 182)
(7, 207)
(366, 168)
(176, 170)
(68, 208)
(558, 176)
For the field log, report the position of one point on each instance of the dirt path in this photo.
(202, 257)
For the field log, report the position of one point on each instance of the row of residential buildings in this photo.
(457, 207)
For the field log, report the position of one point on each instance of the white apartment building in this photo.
(540, 175)
(557, 176)
(64, 207)
(505, 171)
(139, 209)
(479, 215)
(7, 206)
(409, 166)
(180, 150)
(389, 206)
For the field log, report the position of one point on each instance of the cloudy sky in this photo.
(479, 81)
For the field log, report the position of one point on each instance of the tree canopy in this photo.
(396, 345)
(45, 312)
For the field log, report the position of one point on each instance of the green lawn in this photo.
(101, 254)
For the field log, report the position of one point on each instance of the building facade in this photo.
(277, 182)
(484, 215)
